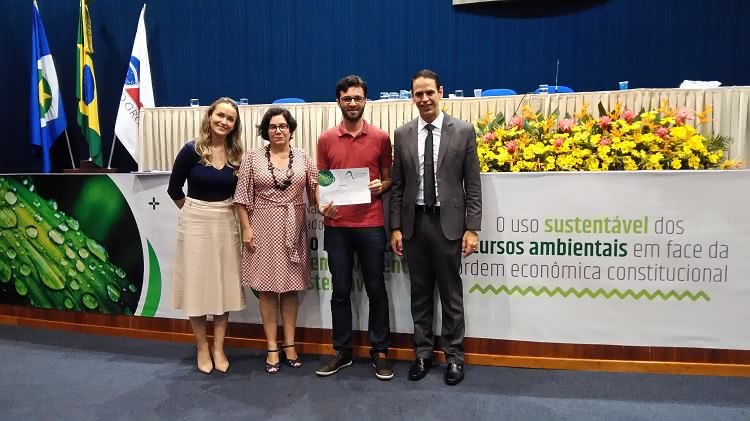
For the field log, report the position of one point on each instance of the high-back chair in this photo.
(288, 101)
(498, 92)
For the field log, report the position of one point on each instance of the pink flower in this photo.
(605, 141)
(558, 142)
(511, 146)
(629, 116)
(604, 122)
(565, 124)
(489, 137)
(662, 132)
(516, 121)
(681, 114)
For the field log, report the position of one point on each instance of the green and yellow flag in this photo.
(88, 102)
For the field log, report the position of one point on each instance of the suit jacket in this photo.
(459, 187)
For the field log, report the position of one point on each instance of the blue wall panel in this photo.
(265, 49)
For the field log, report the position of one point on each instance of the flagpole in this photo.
(112, 151)
(70, 150)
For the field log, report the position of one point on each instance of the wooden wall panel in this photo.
(478, 350)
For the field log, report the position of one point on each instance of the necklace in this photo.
(289, 172)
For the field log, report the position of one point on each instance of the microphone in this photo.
(515, 112)
(557, 73)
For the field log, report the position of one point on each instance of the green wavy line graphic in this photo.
(586, 292)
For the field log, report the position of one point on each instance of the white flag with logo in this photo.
(137, 91)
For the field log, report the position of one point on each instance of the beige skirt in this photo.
(206, 272)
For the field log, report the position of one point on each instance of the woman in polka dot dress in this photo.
(270, 201)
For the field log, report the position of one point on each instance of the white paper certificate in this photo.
(344, 187)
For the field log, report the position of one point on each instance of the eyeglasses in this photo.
(348, 99)
(281, 127)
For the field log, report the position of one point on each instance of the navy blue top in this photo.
(204, 181)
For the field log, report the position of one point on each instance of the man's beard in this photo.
(355, 118)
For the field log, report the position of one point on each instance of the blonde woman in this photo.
(206, 273)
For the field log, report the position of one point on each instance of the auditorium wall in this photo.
(265, 49)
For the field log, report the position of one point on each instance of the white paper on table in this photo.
(699, 84)
(346, 186)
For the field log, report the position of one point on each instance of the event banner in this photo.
(622, 258)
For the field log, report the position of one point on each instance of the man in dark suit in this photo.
(436, 211)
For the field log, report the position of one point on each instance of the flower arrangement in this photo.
(617, 140)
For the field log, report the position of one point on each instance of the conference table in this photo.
(163, 130)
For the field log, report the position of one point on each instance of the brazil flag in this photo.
(88, 102)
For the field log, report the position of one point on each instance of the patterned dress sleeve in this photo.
(311, 178)
(244, 194)
(311, 171)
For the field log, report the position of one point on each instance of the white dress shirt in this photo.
(421, 138)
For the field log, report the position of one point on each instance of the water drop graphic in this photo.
(89, 301)
(55, 236)
(31, 231)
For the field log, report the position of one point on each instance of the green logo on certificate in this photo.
(325, 178)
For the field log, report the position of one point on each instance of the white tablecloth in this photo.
(163, 130)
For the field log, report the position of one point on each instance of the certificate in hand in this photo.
(345, 186)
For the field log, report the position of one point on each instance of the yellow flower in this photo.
(548, 123)
(655, 158)
(584, 111)
(679, 132)
(538, 148)
(603, 151)
(630, 165)
(549, 163)
(592, 164)
(696, 143)
(647, 119)
(615, 114)
(625, 146)
(703, 116)
(667, 120)
(542, 147)
(731, 164)
(664, 109)
(526, 113)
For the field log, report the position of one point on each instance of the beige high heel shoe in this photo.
(205, 368)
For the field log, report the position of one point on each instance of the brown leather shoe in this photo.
(334, 364)
(383, 369)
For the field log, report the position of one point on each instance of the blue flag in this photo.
(46, 112)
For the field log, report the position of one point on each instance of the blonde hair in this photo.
(232, 142)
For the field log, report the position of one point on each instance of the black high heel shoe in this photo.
(295, 363)
(272, 368)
